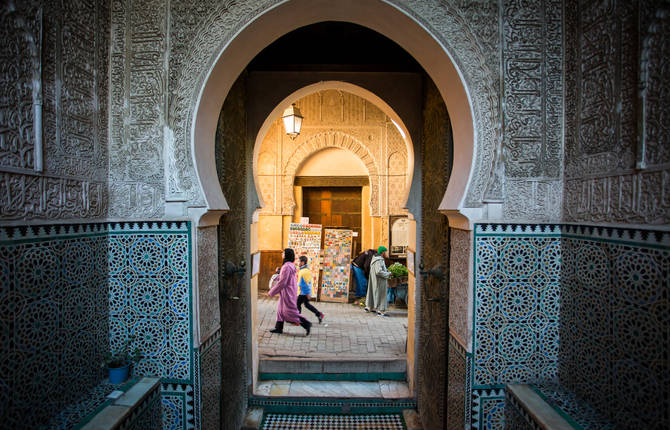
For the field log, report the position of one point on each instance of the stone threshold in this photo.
(299, 365)
(384, 389)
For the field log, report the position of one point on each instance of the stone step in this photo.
(333, 389)
(332, 370)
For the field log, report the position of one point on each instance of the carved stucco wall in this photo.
(53, 109)
(208, 281)
(199, 29)
(514, 81)
(532, 94)
(335, 119)
(616, 148)
(158, 53)
(139, 106)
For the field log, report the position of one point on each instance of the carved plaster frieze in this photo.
(139, 104)
(20, 29)
(453, 27)
(533, 89)
(199, 30)
(54, 90)
(539, 200)
(617, 159)
(653, 147)
(28, 197)
(197, 43)
(639, 198)
(136, 199)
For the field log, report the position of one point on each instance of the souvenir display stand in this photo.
(305, 239)
(336, 265)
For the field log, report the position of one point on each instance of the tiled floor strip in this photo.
(333, 422)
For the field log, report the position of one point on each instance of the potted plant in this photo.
(398, 273)
(120, 362)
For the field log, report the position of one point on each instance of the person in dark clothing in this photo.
(287, 288)
(361, 268)
(305, 286)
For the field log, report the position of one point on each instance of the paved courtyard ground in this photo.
(346, 332)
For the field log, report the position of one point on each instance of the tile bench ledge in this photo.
(113, 414)
(543, 414)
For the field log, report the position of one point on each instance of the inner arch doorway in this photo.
(383, 18)
(362, 152)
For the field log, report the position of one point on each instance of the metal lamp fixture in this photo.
(292, 121)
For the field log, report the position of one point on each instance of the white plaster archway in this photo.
(379, 16)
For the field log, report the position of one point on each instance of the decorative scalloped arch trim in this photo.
(319, 142)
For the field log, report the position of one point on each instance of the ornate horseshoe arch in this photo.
(321, 141)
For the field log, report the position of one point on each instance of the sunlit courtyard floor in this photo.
(346, 332)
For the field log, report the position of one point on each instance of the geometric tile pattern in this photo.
(53, 320)
(516, 416)
(569, 405)
(150, 298)
(146, 416)
(332, 422)
(602, 291)
(88, 403)
(488, 408)
(70, 292)
(178, 406)
(517, 301)
(615, 320)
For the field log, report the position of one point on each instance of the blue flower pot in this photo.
(118, 375)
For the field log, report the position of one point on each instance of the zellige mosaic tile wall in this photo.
(516, 315)
(584, 306)
(53, 318)
(615, 323)
(150, 298)
(69, 293)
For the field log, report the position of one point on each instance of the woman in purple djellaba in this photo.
(287, 288)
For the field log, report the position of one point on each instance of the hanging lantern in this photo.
(292, 121)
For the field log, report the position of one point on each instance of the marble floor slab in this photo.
(350, 389)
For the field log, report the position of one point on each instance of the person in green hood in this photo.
(377, 284)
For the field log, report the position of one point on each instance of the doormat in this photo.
(332, 422)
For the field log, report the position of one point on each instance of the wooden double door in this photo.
(335, 207)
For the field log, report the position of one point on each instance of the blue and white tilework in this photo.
(517, 300)
(584, 306)
(488, 408)
(615, 323)
(69, 293)
(53, 319)
(150, 298)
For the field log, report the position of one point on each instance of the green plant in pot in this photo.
(398, 272)
(119, 363)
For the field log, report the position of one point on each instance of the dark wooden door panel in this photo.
(269, 261)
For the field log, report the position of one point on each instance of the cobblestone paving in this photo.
(346, 332)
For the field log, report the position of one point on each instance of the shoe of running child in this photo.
(321, 317)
